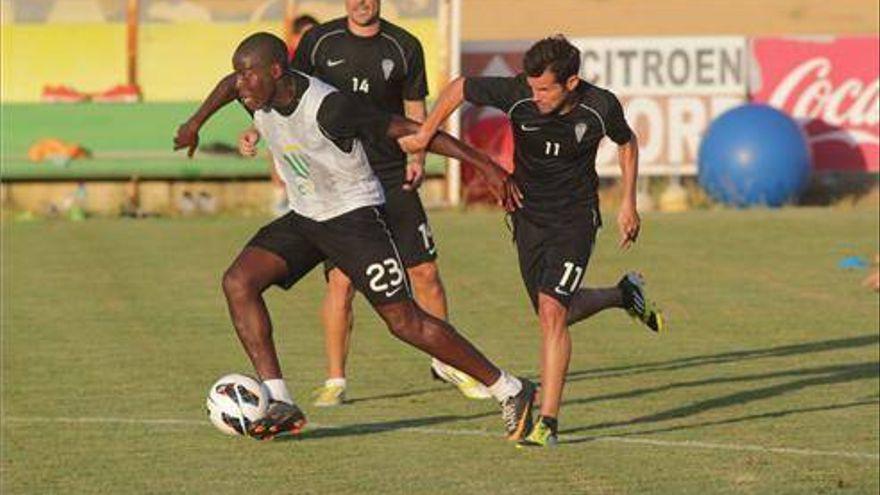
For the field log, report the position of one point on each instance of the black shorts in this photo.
(409, 224)
(358, 242)
(553, 258)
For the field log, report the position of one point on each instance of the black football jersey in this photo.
(384, 70)
(555, 154)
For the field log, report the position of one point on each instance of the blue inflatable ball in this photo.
(754, 155)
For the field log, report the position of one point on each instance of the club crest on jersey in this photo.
(387, 67)
(579, 130)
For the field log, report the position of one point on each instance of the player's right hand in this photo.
(187, 137)
(501, 184)
(513, 195)
(247, 142)
(504, 189)
(628, 224)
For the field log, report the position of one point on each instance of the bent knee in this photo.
(236, 282)
(550, 311)
(425, 274)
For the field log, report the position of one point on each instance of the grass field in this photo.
(767, 383)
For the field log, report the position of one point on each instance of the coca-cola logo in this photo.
(808, 92)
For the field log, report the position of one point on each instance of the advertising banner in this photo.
(830, 85)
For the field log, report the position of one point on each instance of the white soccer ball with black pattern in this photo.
(234, 402)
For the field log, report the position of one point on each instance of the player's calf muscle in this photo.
(412, 325)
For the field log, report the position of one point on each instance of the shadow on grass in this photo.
(322, 432)
(726, 357)
(397, 395)
(822, 375)
(802, 378)
(670, 365)
(827, 374)
(751, 417)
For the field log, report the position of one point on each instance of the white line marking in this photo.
(479, 433)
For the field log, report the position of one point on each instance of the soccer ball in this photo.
(234, 402)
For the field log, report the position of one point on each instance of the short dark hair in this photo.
(266, 47)
(555, 53)
(301, 22)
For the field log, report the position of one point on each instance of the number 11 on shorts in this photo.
(573, 284)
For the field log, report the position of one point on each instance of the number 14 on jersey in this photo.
(360, 85)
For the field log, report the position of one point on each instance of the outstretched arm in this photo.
(342, 117)
(450, 98)
(499, 181)
(188, 132)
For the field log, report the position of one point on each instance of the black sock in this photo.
(550, 422)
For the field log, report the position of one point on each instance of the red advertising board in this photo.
(830, 85)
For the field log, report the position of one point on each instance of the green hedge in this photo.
(144, 131)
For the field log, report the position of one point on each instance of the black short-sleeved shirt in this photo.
(555, 154)
(384, 69)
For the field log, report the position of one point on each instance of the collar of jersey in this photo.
(358, 37)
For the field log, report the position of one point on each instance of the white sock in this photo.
(335, 382)
(277, 390)
(507, 386)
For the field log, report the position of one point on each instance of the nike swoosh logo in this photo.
(394, 291)
(528, 128)
(334, 63)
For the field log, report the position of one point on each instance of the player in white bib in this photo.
(315, 135)
(341, 180)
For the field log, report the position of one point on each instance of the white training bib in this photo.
(322, 181)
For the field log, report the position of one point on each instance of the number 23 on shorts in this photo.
(385, 276)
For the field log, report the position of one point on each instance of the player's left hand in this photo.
(415, 174)
(187, 137)
(628, 225)
(414, 143)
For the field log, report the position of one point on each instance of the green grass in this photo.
(771, 346)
